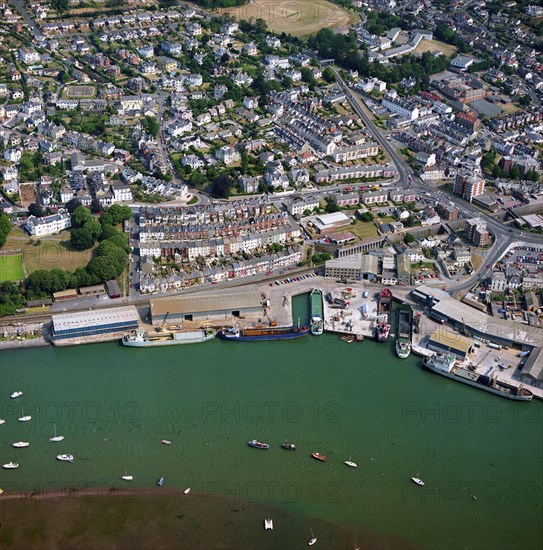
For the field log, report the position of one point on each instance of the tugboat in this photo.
(320, 457)
(382, 331)
(403, 340)
(384, 307)
(258, 445)
(444, 364)
(289, 446)
(385, 301)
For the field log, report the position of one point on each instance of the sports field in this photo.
(298, 18)
(433, 45)
(11, 268)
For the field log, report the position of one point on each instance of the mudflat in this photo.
(163, 518)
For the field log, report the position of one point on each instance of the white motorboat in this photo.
(418, 481)
(268, 524)
(187, 491)
(2, 421)
(351, 464)
(312, 540)
(56, 437)
(21, 444)
(16, 394)
(65, 458)
(166, 442)
(10, 466)
(126, 477)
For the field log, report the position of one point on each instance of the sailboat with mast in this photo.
(127, 477)
(312, 540)
(56, 437)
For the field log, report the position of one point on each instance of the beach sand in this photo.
(164, 518)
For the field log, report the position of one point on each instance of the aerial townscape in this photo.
(365, 172)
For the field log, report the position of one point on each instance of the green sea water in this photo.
(347, 401)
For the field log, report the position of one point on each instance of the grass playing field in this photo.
(46, 253)
(11, 268)
(300, 18)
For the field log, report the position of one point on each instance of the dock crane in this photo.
(161, 327)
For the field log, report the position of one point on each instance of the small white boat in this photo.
(166, 442)
(2, 421)
(56, 437)
(312, 540)
(418, 481)
(65, 458)
(21, 444)
(24, 418)
(10, 466)
(351, 464)
(16, 394)
(128, 478)
(268, 524)
(187, 491)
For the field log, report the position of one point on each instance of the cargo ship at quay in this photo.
(445, 364)
(405, 324)
(317, 312)
(143, 339)
(259, 334)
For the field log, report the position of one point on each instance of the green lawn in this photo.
(363, 230)
(11, 268)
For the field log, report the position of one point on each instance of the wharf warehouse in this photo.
(227, 303)
(445, 341)
(445, 309)
(83, 324)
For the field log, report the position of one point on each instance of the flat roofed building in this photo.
(446, 309)
(353, 268)
(92, 323)
(228, 303)
(445, 341)
(327, 222)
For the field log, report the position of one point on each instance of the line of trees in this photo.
(108, 262)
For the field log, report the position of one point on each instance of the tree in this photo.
(410, 221)
(80, 217)
(331, 206)
(36, 209)
(150, 125)
(366, 217)
(95, 206)
(408, 238)
(101, 269)
(94, 228)
(221, 186)
(514, 173)
(81, 238)
(72, 204)
(5, 228)
(119, 213)
(108, 231)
